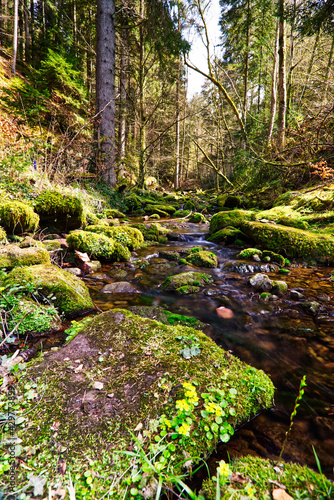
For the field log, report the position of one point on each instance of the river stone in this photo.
(260, 282)
(242, 266)
(119, 287)
(13, 256)
(279, 287)
(140, 369)
(311, 307)
(295, 295)
(190, 279)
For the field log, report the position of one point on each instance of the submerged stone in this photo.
(203, 258)
(124, 377)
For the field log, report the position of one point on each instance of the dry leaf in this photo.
(98, 385)
(139, 426)
(280, 494)
(225, 312)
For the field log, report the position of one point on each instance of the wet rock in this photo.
(118, 273)
(295, 295)
(260, 282)
(203, 259)
(176, 237)
(182, 280)
(119, 287)
(279, 287)
(13, 256)
(242, 266)
(323, 297)
(74, 270)
(169, 254)
(311, 307)
(52, 245)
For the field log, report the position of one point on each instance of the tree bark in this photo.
(16, 25)
(123, 99)
(105, 87)
(281, 78)
(142, 119)
(273, 88)
(244, 111)
(26, 32)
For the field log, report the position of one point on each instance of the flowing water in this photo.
(279, 336)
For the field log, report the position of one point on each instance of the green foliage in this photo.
(75, 328)
(17, 217)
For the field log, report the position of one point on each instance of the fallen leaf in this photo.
(139, 426)
(98, 385)
(280, 494)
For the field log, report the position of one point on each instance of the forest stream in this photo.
(280, 337)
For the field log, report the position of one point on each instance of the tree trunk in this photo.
(26, 32)
(273, 88)
(123, 99)
(244, 112)
(329, 65)
(16, 25)
(281, 78)
(310, 66)
(105, 88)
(142, 120)
(177, 129)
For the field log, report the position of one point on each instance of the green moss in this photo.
(228, 235)
(31, 317)
(139, 364)
(70, 294)
(274, 257)
(96, 245)
(229, 201)
(153, 232)
(113, 213)
(155, 216)
(13, 256)
(197, 217)
(248, 253)
(253, 477)
(229, 218)
(181, 213)
(279, 287)
(186, 279)
(128, 236)
(3, 236)
(16, 217)
(169, 209)
(169, 254)
(133, 203)
(183, 262)
(203, 259)
(61, 211)
(293, 242)
(292, 222)
(121, 253)
(100, 229)
(52, 245)
(194, 250)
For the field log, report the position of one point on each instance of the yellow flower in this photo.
(250, 491)
(224, 470)
(182, 404)
(168, 423)
(184, 429)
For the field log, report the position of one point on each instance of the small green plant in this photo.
(294, 413)
(190, 349)
(75, 328)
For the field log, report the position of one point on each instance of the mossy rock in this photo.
(3, 236)
(181, 213)
(17, 217)
(155, 216)
(96, 245)
(113, 213)
(100, 229)
(248, 253)
(197, 217)
(121, 253)
(257, 478)
(293, 242)
(279, 287)
(151, 209)
(229, 201)
(166, 317)
(228, 235)
(90, 218)
(133, 203)
(98, 415)
(229, 218)
(274, 257)
(28, 241)
(293, 222)
(153, 232)
(173, 283)
(169, 254)
(128, 236)
(203, 259)
(62, 211)
(30, 317)
(13, 256)
(71, 295)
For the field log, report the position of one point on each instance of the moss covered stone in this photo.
(128, 236)
(274, 257)
(153, 232)
(257, 478)
(133, 375)
(70, 293)
(3, 236)
(96, 245)
(197, 217)
(113, 213)
(121, 253)
(248, 253)
(181, 213)
(173, 283)
(228, 235)
(151, 209)
(229, 218)
(30, 317)
(59, 210)
(203, 259)
(229, 201)
(17, 217)
(291, 241)
(14, 256)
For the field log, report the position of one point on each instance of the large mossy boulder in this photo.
(197, 217)
(156, 209)
(203, 259)
(96, 245)
(185, 283)
(14, 256)
(68, 293)
(153, 232)
(17, 217)
(58, 210)
(128, 236)
(134, 397)
(228, 235)
(291, 241)
(232, 218)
